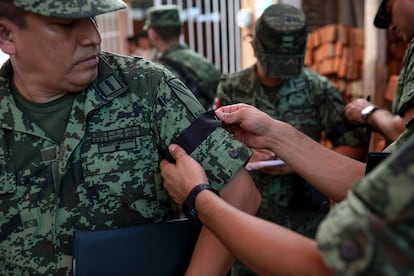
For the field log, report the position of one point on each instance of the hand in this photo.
(353, 110)
(181, 177)
(248, 124)
(262, 155)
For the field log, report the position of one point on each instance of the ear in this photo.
(6, 41)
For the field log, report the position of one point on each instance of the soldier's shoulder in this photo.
(134, 67)
(236, 77)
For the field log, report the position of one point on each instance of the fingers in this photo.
(230, 114)
(176, 151)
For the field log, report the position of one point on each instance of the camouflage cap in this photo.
(280, 40)
(167, 15)
(382, 19)
(70, 8)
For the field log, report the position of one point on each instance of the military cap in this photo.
(70, 8)
(280, 40)
(167, 15)
(382, 19)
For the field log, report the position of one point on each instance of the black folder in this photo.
(162, 248)
(374, 158)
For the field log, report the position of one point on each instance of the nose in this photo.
(89, 32)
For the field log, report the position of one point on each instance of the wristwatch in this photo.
(368, 111)
(189, 203)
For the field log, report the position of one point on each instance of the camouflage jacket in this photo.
(312, 105)
(404, 95)
(197, 72)
(105, 173)
(371, 232)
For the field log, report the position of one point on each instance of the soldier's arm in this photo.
(210, 257)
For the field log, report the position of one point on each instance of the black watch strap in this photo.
(189, 203)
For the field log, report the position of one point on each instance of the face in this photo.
(264, 79)
(56, 56)
(402, 17)
(144, 43)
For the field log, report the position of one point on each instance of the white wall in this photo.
(3, 57)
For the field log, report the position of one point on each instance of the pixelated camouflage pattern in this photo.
(167, 15)
(105, 174)
(371, 232)
(312, 105)
(280, 40)
(196, 68)
(70, 8)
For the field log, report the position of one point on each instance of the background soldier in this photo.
(197, 72)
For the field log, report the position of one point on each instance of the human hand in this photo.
(262, 155)
(353, 110)
(247, 123)
(180, 178)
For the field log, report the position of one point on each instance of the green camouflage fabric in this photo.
(402, 138)
(404, 95)
(196, 71)
(70, 8)
(371, 232)
(311, 104)
(167, 15)
(105, 174)
(280, 40)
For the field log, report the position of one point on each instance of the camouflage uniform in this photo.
(201, 76)
(194, 70)
(105, 173)
(371, 232)
(304, 99)
(309, 103)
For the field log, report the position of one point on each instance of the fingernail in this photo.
(172, 147)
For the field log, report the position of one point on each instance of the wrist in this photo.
(367, 111)
(189, 203)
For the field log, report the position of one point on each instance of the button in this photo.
(233, 153)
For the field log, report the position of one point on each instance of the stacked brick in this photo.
(337, 51)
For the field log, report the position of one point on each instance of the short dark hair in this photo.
(132, 39)
(16, 15)
(168, 33)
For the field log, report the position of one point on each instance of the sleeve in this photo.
(338, 130)
(219, 153)
(371, 232)
(404, 96)
(407, 97)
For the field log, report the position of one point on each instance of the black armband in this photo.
(195, 134)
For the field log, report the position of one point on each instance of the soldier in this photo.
(197, 72)
(370, 232)
(392, 123)
(282, 87)
(82, 133)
